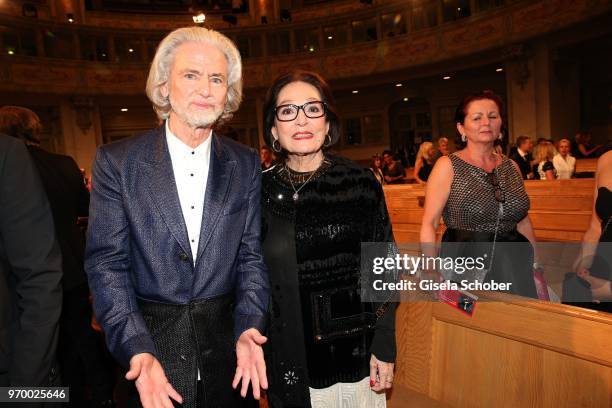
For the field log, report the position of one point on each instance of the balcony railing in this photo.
(373, 41)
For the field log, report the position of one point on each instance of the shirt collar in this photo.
(179, 150)
(522, 153)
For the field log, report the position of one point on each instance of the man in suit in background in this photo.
(173, 247)
(522, 156)
(80, 355)
(30, 273)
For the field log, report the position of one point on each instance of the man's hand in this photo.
(250, 366)
(381, 374)
(153, 386)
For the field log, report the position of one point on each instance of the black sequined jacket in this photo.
(320, 333)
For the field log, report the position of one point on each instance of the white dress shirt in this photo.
(190, 166)
(565, 167)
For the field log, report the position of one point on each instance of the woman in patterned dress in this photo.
(481, 196)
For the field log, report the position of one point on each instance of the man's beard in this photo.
(202, 119)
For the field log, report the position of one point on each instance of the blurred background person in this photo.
(564, 163)
(443, 146)
(543, 155)
(482, 198)
(30, 274)
(317, 210)
(594, 264)
(406, 152)
(266, 156)
(424, 162)
(81, 357)
(521, 155)
(392, 169)
(583, 148)
(377, 168)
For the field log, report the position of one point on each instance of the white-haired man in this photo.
(173, 252)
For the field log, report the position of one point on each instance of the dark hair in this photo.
(314, 79)
(21, 123)
(387, 152)
(374, 158)
(461, 110)
(521, 139)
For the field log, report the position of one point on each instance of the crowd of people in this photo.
(547, 160)
(216, 274)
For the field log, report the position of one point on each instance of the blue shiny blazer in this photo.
(137, 243)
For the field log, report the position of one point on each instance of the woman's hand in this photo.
(381, 374)
(601, 289)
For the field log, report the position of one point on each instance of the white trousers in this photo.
(348, 395)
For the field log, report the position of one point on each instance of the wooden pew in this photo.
(511, 352)
(560, 209)
(586, 165)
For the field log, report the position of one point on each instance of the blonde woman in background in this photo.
(543, 155)
(564, 162)
(424, 162)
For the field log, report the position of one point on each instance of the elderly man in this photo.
(173, 252)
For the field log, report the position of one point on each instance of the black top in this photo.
(69, 199)
(603, 207)
(523, 163)
(602, 262)
(425, 170)
(320, 332)
(30, 273)
(601, 266)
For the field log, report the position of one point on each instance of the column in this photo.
(542, 68)
(260, 126)
(81, 129)
(520, 86)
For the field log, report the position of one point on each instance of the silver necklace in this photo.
(296, 194)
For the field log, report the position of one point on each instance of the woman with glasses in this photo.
(481, 196)
(325, 346)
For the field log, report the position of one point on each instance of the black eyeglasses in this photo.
(312, 110)
(500, 197)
